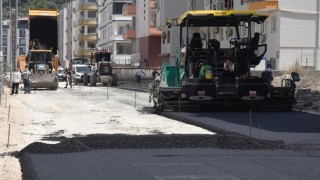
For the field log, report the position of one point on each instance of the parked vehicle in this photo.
(61, 74)
(78, 71)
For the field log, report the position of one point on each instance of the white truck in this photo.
(78, 71)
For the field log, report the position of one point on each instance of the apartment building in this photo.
(170, 37)
(134, 30)
(5, 42)
(22, 41)
(65, 35)
(78, 35)
(291, 32)
(143, 32)
(85, 23)
(112, 26)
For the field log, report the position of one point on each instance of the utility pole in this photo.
(16, 32)
(1, 55)
(10, 50)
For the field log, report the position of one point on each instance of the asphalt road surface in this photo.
(298, 159)
(281, 146)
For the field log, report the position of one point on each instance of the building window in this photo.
(122, 30)
(273, 24)
(164, 36)
(92, 14)
(4, 42)
(228, 4)
(22, 33)
(117, 8)
(91, 30)
(4, 50)
(263, 28)
(168, 37)
(123, 49)
(22, 41)
(5, 33)
(273, 62)
(22, 50)
(91, 45)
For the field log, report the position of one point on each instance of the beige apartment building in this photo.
(78, 30)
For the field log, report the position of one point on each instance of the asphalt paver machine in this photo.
(198, 80)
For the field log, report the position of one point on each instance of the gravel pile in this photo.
(120, 141)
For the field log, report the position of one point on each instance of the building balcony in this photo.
(84, 52)
(264, 6)
(89, 7)
(83, 22)
(129, 10)
(131, 34)
(86, 37)
(153, 31)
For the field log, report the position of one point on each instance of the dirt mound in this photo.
(308, 91)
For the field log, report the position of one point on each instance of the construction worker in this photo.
(16, 78)
(26, 80)
(69, 78)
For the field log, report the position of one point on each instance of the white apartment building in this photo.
(78, 31)
(112, 25)
(292, 32)
(63, 33)
(170, 37)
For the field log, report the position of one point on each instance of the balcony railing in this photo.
(266, 5)
(129, 10)
(87, 6)
(153, 31)
(83, 22)
(85, 37)
(84, 52)
(131, 34)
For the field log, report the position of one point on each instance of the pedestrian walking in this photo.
(139, 74)
(69, 78)
(26, 80)
(16, 78)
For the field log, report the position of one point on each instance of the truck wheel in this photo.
(114, 80)
(85, 79)
(93, 79)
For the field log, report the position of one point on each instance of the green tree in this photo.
(24, 5)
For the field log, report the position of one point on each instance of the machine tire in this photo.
(93, 79)
(54, 88)
(114, 80)
(85, 79)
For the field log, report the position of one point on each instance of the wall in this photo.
(171, 9)
(298, 33)
(128, 73)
